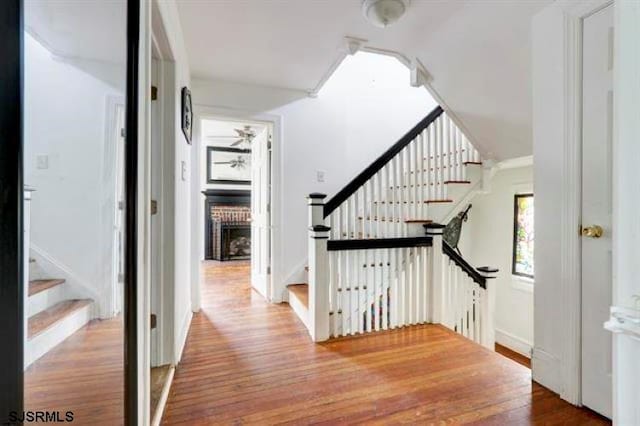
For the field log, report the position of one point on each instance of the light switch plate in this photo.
(42, 162)
(184, 170)
(320, 176)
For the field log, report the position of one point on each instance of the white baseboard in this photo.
(514, 343)
(545, 369)
(181, 340)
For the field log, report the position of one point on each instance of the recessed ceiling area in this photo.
(477, 53)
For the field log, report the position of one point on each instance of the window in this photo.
(523, 235)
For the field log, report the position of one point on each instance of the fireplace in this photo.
(227, 225)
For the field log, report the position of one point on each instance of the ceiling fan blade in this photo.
(238, 142)
(223, 162)
(221, 137)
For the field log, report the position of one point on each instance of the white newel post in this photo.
(434, 230)
(487, 308)
(318, 269)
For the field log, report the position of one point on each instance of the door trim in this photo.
(570, 209)
(11, 209)
(277, 288)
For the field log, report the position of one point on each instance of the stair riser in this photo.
(46, 299)
(298, 307)
(56, 334)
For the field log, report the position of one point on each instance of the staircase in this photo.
(52, 315)
(377, 259)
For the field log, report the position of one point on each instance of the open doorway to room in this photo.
(236, 184)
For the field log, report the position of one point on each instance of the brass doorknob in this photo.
(593, 231)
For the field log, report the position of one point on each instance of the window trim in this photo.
(515, 232)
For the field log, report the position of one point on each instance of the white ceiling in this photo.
(87, 29)
(478, 52)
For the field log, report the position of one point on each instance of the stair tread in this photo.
(47, 318)
(37, 286)
(301, 291)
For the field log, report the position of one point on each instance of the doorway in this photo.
(597, 140)
(236, 181)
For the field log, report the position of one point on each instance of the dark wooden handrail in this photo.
(379, 243)
(378, 164)
(464, 265)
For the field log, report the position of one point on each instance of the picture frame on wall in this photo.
(187, 114)
(228, 165)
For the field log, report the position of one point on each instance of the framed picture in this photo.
(228, 165)
(187, 114)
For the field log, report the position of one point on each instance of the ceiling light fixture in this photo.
(383, 13)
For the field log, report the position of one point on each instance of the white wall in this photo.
(488, 240)
(549, 121)
(74, 203)
(178, 185)
(339, 132)
(626, 238)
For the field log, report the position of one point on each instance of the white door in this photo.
(597, 130)
(260, 218)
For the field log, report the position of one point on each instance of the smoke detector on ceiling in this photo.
(383, 13)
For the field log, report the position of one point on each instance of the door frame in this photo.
(12, 297)
(11, 209)
(217, 113)
(571, 206)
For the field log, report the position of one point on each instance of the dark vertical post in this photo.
(131, 215)
(11, 200)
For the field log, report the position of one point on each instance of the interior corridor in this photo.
(250, 362)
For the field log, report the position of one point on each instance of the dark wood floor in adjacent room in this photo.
(250, 362)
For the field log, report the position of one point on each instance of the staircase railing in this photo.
(366, 285)
(399, 187)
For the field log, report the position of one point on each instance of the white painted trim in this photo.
(278, 285)
(544, 369)
(514, 343)
(570, 209)
(181, 341)
(143, 219)
(110, 306)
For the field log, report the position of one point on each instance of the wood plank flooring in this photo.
(250, 362)
(84, 374)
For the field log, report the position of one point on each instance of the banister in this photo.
(378, 164)
(464, 265)
(378, 243)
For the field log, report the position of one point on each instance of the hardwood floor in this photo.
(513, 355)
(84, 374)
(250, 362)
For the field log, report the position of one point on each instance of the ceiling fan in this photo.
(245, 135)
(239, 163)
